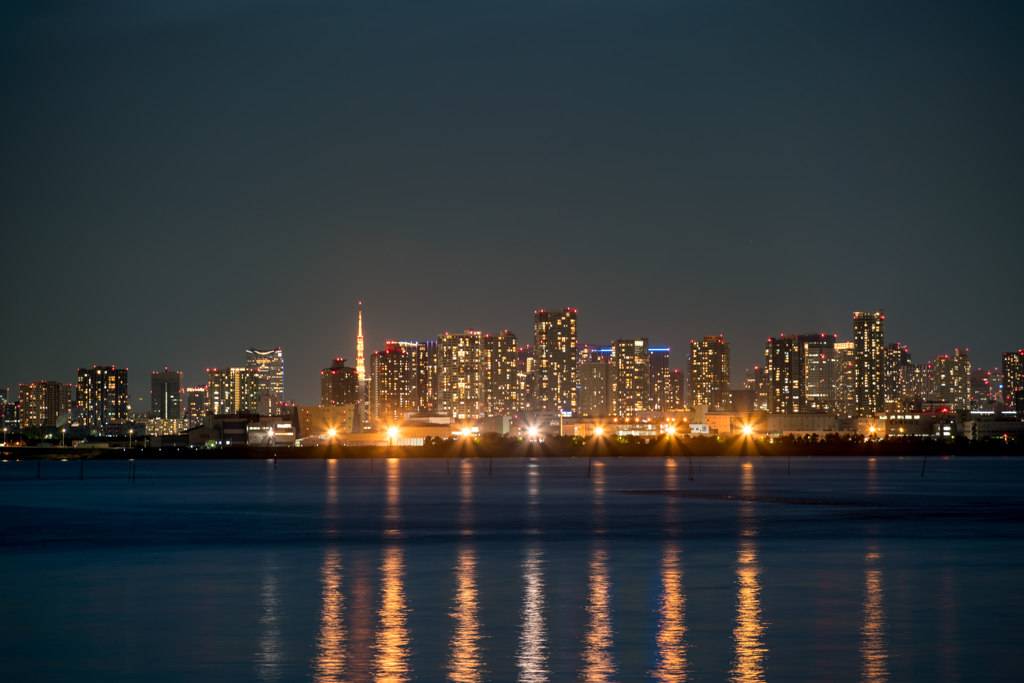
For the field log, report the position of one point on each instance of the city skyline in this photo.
(739, 376)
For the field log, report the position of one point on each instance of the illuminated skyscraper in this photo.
(597, 382)
(783, 362)
(339, 385)
(461, 375)
(632, 381)
(524, 374)
(269, 369)
(232, 391)
(869, 362)
(166, 395)
(196, 405)
(500, 369)
(554, 351)
(41, 404)
(846, 385)
(897, 358)
(709, 370)
(391, 384)
(951, 381)
(818, 356)
(102, 396)
(423, 356)
(677, 380)
(1013, 377)
(660, 393)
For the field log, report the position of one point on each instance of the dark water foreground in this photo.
(845, 569)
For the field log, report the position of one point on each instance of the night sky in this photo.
(185, 180)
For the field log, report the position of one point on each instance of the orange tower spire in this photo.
(360, 364)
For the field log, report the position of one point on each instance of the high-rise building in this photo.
(819, 371)
(592, 353)
(166, 395)
(524, 375)
(709, 373)
(196, 405)
(632, 382)
(102, 396)
(232, 391)
(339, 385)
(554, 350)
(677, 382)
(597, 382)
(41, 404)
(391, 380)
(846, 386)
(269, 368)
(501, 382)
(783, 362)
(460, 375)
(660, 392)
(423, 356)
(897, 358)
(757, 381)
(869, 362)
(1013, 376)
(951, 381)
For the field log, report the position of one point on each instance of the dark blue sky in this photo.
(187, 179)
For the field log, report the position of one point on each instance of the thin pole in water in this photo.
(447, 465)
(923, 464)
(699, 459)
(275, 462)
(789, 462)
(490, 470)
(371, 462)
(43, 538)
(590, 459)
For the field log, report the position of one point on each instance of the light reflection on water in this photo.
(598, 643)
(270, 656)
(748, 633)
(465, 662)
(391, 660)
(873, 650)
(329, 663)
(671, 638)
(531, 657)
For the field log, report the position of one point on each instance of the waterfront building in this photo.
(390, 384)
(554, 349)
(102, 396)
(320, 420)
(951, 381)
(783, 362)
(524, 375)
(597, 381)
(897, 359)
(339, 384)
(232, 391)
(1013, 377)
(42, 404)
(269, 369)
(166, 393)
(196, 405)
(460, 375)
(818, 371)
(709, 373)
(660, 392)
(677, 382)
(500, 374)
(869, 362)
(845, 405)
(632, 382)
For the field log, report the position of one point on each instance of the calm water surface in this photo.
(846, 569)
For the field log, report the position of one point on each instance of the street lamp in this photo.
(62, 431)
(392, 435)
(747, 430)
(671, 429)
(130, 432)
(598, 431)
